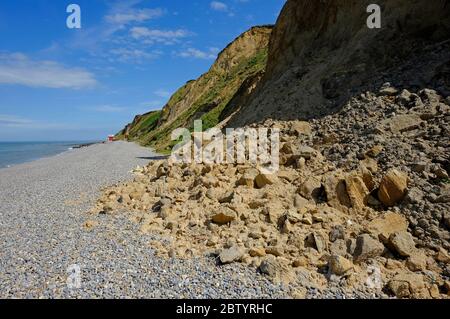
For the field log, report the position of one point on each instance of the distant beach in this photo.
(13, 153)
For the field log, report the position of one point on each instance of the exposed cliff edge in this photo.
(241, 62)
(322, 52)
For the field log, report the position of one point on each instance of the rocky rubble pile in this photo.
(400, 130)
(361, 200)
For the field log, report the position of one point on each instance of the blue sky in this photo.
(58, 83)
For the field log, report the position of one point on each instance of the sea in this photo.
(13, 153)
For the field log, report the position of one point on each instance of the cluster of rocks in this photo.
(362, 199)
(403, 130)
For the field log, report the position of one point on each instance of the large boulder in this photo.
(357, 191)
(393, 187)
(306, 152)
(231, 255)
(444, 197)
(257, 252)
(404, 123)
(406, 285)
(300, 201)
(310, 188)
(339, 265)
(387, 224)
(248, 177)
(288, 154)
(403, 243)
(442, 256)
(270, 267)
(367, 247)
(277, 269)
(336, 190)
(224, 216)
(417, 262)
(262, 180)
(301, 128)
(317, 241)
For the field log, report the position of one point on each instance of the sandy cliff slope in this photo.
(206, 98)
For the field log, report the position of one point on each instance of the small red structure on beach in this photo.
(110, 138)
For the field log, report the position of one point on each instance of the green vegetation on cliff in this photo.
(142, 124)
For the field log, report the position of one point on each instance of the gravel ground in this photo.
(43, 243)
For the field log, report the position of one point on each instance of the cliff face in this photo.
(208, 96)
(322, 52)
(248, 46)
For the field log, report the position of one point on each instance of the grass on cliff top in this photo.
(146, 124)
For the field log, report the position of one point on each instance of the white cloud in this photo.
(133, 55)
(133, 15)
(108, 109)
(210, 54)
(114, 27)
(160, 36)
(123, 36)
(18, 69)
(16, 122)
(13, 121)
(162, 93)
(218, 6)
